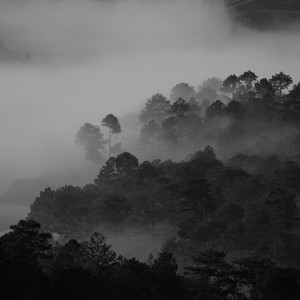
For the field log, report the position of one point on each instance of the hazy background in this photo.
(67, 62)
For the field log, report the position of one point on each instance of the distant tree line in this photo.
(232, 115)
(221, 113)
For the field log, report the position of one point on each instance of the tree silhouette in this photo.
(115, 209)
(25, 239)
(292, 105)
(280, 82)
(91, 138)
(182, 90)
(212, 83)
(230, 84)
(98, 252)
(146, 170)
(295, 92)
(212, 277)
(114, 126)
(179, 108)
(126, 164)
(156, 109)
(282, 212)
(149, 132)
(247, 80)
(264, 89)
(215, 109)
(44, 203)
(23, 254)
(107, 172)
(198, 202)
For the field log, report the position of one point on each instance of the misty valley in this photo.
(150, 149)
(220, 223)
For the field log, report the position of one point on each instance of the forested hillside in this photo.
(222, 222)
(241, 198)
(150, 150)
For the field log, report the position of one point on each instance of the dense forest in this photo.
(32, 267)
(216, 199)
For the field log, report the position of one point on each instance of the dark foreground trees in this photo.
(252, 277)
(32, 268)
(24, 258)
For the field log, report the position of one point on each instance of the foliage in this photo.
(149, 133)
(179, 107)
(182, 90)
(85, 269)
(115, 209)
(280, 82)
(215, 109)
(98, 252)
(114, 126)
(91, 138)
(156, 109)
(112, 123)
(230, 84)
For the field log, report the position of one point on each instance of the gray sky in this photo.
(91, 58)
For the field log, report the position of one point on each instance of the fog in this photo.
(91, 58)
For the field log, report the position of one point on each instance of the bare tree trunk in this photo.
(109, 142)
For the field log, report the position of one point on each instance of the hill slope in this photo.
(266, 13)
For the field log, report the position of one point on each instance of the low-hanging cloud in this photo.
(90, 58)
(77, 29)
